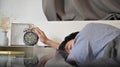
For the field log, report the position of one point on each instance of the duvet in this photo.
(95, 45)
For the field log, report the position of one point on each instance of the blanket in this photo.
(91, 42)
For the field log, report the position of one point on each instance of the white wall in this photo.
(22, 10)
(26, 11)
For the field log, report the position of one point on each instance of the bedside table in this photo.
(17, 50)
(24, 56)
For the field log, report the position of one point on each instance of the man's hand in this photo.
(43, 38)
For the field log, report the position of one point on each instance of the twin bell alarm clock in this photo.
(30, 38)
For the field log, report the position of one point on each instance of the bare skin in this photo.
(43, 38)
(69, 45)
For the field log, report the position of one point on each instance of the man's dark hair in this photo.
(61, 49)
(67, 38)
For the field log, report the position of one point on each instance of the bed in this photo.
(69, 26)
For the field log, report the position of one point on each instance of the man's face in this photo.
(69, 45)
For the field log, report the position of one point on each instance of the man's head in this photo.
(68, 42)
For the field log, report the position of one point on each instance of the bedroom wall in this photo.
(25, 11)
(22, 10)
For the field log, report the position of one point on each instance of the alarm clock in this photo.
(31, 61)
(30, 37)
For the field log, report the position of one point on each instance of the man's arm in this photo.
(43, 38)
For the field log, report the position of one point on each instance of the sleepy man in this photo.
(95, 45)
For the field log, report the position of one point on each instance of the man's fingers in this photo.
(39, 30)
(31, 26)
(37, 33)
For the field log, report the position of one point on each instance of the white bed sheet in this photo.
(57, 30)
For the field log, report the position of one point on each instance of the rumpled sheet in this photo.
(80, 9)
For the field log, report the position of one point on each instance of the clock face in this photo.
(30, 38)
